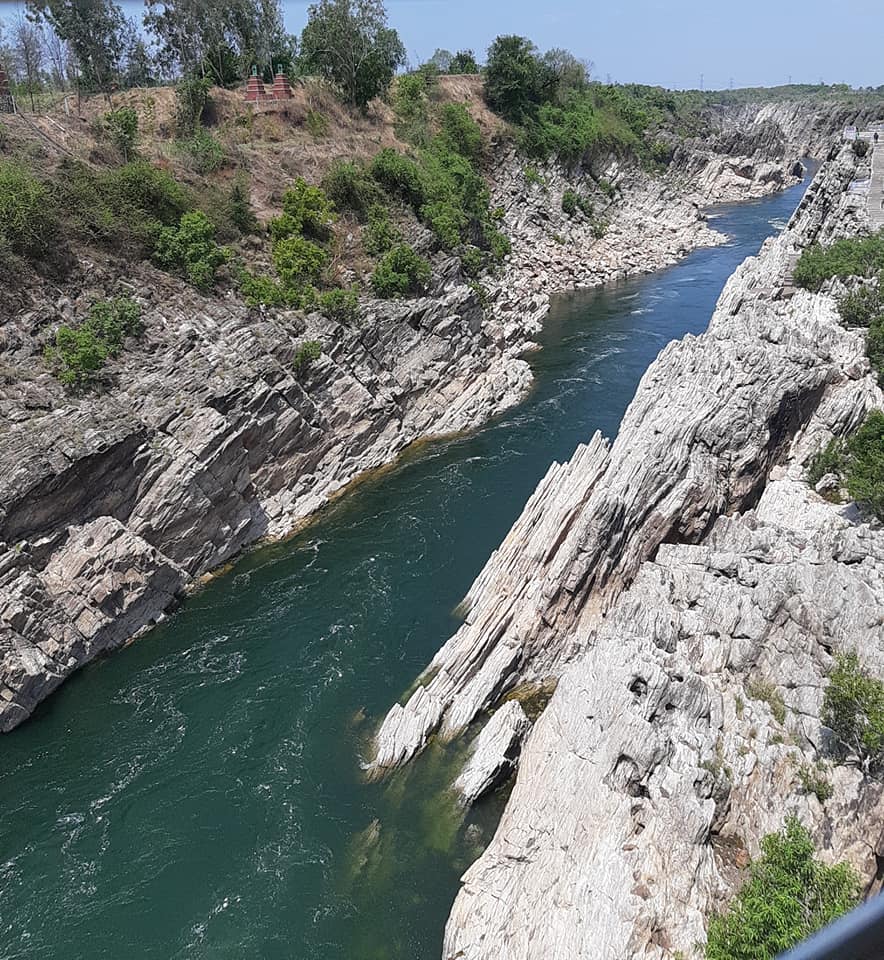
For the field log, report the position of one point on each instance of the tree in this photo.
(349, 43)
(61, 60)
(441, 60)
(572, 75)
(517, 80)
(219, 39)
(97, 32)
(464, 61)
(853, 708)
(865, 451)
(28, 41)
(789, 896)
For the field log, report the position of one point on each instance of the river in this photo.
(199, 794)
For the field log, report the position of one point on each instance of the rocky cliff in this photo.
(687, 589)
(205, 440)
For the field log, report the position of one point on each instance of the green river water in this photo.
(199, 794)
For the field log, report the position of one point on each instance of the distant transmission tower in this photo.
(702, 76)
(730, 83)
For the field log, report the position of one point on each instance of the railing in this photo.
(858, 935)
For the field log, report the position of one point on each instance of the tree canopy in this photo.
(350, 43)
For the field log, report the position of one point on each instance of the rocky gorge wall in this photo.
(113, 504)
(686, 589)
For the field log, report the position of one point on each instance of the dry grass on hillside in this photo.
(274, 142)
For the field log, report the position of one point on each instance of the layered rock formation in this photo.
(204, 439)
(688, 589)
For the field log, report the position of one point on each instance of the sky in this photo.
(668, 42)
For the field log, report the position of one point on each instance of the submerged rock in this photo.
(495, 753)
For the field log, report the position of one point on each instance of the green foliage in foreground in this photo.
(849, 257)
(789, 896)
(79, 353)
(400, 273)
(190, 248)
(854, 709)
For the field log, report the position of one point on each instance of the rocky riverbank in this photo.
(687, 589)
(113, 504)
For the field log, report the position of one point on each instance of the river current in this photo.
(199, 794)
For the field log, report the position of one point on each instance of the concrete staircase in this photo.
(876, 188)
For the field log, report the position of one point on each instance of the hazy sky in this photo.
(671, 42)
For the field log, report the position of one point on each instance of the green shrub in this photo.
(533, 178)
(401, 273)
(789, 896)
(399, 175)
(460, 132)
(204, 153)
(349, 186)
(380, 233)
(862, 305)
(259, 290)
(239, 207)
(865, 464)
(299, 262)
(190, 248)
(28, 218)
(79, 353)
(139, 186)
(464, 61)
(125, 207)
(122, 129)
(573, 201)
(607, 188)
(498, 243)
(305, 355)
(814, 780)
(316, 123)
(456, 204)
(472, 260)
(306, 211)
(410, 103)
(853, 707)
(341, 306)
(758, 689)
(863, 257)
(191, 98)
(829, 460)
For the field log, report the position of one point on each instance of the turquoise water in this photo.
(199, 794)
